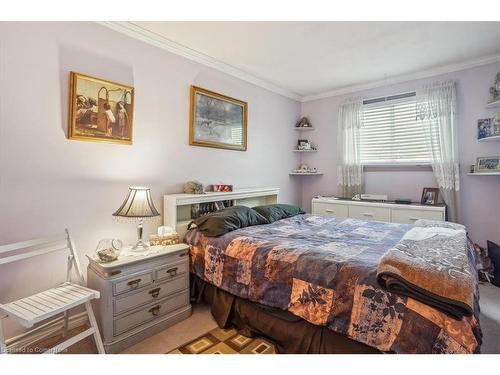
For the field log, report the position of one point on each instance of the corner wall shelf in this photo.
(484, 174)
(304, 151)
(490, 138)
(298, 128)
(494, 104)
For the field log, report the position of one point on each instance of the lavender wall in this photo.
(480, 196)
(48, 183)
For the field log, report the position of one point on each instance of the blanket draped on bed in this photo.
(324, 270)
(431, 264)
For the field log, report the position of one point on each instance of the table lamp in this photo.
(138, 204)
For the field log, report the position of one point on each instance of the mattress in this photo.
(324, 269)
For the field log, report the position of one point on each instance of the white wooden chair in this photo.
(47, 304)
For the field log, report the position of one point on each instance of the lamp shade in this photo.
(137, 204)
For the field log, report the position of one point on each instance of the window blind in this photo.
(391, 134)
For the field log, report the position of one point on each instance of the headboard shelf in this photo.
(177, 207)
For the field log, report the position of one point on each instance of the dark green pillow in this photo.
(227, 220)
(273, 212)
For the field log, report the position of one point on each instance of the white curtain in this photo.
(349, 167)
(436, 109)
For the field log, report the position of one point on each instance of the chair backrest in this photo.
(40, 246)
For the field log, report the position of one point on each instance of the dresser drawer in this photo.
(133, 282)
(410, 216)
(150, 312)
(330, 209)
(151, 294)
(171, 271)
(370, 213)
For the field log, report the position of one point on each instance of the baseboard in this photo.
(19, 343)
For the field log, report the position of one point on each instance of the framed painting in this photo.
(217, 120)
(100, 110)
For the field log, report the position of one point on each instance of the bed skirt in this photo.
(291, 334)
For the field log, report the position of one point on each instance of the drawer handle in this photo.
(155, 310)
(134, 283)
(155, 292)
(172, 271)
(367, 214)
(330, 211)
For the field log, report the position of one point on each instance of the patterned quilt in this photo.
(324, 270)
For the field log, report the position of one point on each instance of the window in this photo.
(390, 132)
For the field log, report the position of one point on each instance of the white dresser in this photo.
(140, 295)
(381, 211)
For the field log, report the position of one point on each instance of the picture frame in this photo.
(217, 120)
(303, 144)
(100, 110)
(488, 164)
(430, 196)
(485, 128)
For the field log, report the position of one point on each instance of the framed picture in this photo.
(217, 120)
(430, 196)
(488, 164)
(484, 128)
(303, 144)
(100, 110)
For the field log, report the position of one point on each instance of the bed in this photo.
(322, 271)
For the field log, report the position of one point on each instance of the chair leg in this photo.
(3, 346)
(65, 324)
(93, 324)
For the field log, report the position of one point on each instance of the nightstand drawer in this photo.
(410, 216)
(171, 271)
(370, 213)
(330, 209)
(150, 312)
(132, 283)
(151, 294)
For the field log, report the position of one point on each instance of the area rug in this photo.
(226, 341)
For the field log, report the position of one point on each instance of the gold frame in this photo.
(192, 112)
(72, 118)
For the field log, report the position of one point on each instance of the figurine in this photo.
(303, 123)
(495, 90)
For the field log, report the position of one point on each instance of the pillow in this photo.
(273, 212)
(494, 254)
(228, 219)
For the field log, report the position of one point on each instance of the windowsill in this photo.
(398, 167)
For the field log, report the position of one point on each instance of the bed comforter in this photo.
(324, 270)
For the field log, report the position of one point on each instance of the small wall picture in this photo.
(303, 144)
(100, 110)
(430, 196)
(484, 128)
(217, 120)
(488, 164)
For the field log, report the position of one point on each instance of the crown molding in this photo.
(137, 32)
(405, 78)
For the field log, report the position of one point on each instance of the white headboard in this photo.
(177, 207)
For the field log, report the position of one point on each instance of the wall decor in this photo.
(495, 89)
(430, 196)
(484, 128)
(100, 110)
(488, 164)
(217, 120)
(303, 123)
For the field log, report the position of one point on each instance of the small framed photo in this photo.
(430, 196)
(484, 128)
(303, 144)
(488, 164)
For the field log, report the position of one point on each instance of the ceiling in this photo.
(310, 59)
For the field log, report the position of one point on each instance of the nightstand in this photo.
(141, 294)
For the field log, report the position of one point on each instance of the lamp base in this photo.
(140, 247)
